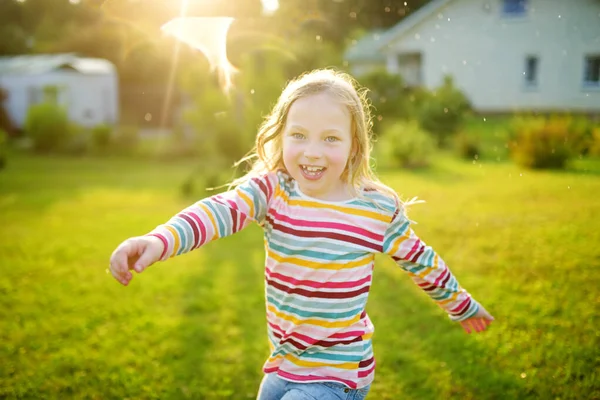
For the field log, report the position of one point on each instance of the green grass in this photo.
(526, 244)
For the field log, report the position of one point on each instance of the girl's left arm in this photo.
(428, 270)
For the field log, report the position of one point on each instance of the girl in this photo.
(325, 216)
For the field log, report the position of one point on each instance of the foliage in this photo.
(444, 111)
(595, 143)
(127, 139)
(546, 142)
(101, 136)
(47, 125)
(388, 96)
(404, 145)
(3, 148)
(467, 147)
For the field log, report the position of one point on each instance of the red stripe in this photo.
(192, 225)
(326, 235)
(165, 243)
(318, 294)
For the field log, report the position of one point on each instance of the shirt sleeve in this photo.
(217, 216)
(427, 269)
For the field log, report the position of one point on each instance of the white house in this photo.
(506, 55)
(87, 87)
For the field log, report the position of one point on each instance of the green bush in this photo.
(539, 142)
(3, 147)
(444, 111)
(389, 98)
(467, 147)
(127, 139)
(101, 136)
(47, 125)
(594, 149)
(404, 145)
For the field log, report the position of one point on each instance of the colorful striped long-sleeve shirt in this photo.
(318, 272)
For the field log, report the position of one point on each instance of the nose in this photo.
(313, 151)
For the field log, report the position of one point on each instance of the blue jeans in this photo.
(273, 387)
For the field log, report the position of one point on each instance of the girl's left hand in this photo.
(478, 322)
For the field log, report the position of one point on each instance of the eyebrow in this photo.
(300, 128)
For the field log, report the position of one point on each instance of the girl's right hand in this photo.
(137, 253)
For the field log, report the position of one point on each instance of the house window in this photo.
(515, 7)
(531, 70)
(591, 75)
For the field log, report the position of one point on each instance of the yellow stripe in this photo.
(317, 364)
(175, 238)
(346, 210)
(212, 220)
(312, 321)
(367, 336)
(399, 242)
(248, 202)
(427, 270)
(319, 264)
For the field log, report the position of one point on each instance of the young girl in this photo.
(325, 216)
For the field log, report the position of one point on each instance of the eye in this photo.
(297, 135)
(332, 139)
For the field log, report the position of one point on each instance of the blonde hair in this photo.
(268, 154)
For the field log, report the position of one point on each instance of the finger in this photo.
(480, 325)
(465, 326)
(145, 260)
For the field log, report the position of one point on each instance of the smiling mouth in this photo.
(311, 171)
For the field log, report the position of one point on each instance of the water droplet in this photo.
(520, 174)
(432, 39)
(251, 91)
(417, 36)
(523, 375)
(445, 110)
(440, 16)
(352, 14)
(464, 62)
(568, 187)
(405, 4)
(148, 117)
(318, 37)
(448, 19)
(484, 119)
(387, 9)
(559, 16)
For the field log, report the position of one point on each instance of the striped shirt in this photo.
(319, 265)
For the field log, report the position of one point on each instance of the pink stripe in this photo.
(413, 250)
(319, 285)
(196, 218)
(441, 277)
(312, 378)
(460, 306)
(365, 373)
(326, 225)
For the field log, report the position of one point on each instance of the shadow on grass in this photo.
(416, 347)
(222, 335)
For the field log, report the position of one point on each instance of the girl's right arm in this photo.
(209, 219)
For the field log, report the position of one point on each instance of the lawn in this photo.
(526, 244)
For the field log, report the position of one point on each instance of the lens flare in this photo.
(209, 36)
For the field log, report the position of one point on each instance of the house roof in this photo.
(366, 48)
(41, 63)
(410, 22)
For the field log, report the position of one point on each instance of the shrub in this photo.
(127, 139)
(443, 112)
(47, 125)
(388, 96)
(101, 135)
(3, 147)
(539, 142)
(405, 145)
(467, 147)
(595, 143)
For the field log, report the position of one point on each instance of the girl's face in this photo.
(317, 142)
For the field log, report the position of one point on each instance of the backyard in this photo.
(523, 242)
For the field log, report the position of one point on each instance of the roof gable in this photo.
(42, 63)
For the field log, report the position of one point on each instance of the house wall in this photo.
(485, 51)
(90, 99)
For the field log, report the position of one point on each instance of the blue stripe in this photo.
(312, 314)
